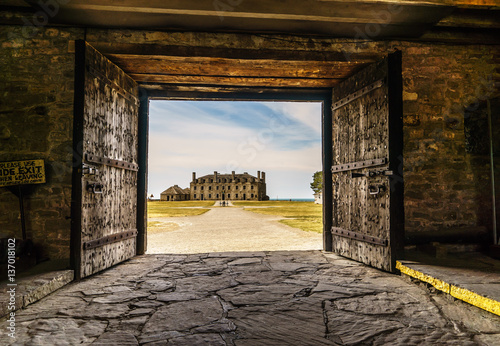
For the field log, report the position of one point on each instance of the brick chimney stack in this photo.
(233, 174)
(215, 176)
(263, 174)
(258, 175)
(194, 177)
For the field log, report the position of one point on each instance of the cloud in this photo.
(280, 138)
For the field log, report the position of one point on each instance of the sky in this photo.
(282, 139)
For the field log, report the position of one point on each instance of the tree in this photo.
(317, 184)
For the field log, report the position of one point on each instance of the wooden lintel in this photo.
(159, 50)
(236, 81)
(234, 68)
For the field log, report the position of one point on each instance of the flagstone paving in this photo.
(249, 298)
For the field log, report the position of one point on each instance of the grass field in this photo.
(171, 209)
(304, 215)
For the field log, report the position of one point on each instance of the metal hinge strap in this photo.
(113, 238)
(111, 162)
(359, 164)
(357, 94)
(358, 236)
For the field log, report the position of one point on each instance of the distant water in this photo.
(293, 199)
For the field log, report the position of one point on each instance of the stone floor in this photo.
(262, 298)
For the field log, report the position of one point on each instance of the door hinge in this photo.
(358, 164)
(358, 236)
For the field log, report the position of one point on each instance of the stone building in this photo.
(243, 187)
(175, 193)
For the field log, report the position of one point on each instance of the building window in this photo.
(236, 187)
(228, 195)
(194, 188)
(217, 196)
(252, 195)
(201, 188)
(251, 187)
(217, 187)
(236, 196)
(209, 195)
(244, 187)
(194, 196)
(210, 188)
(211, 180)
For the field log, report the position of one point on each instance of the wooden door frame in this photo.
(142, 177)
(258, 94)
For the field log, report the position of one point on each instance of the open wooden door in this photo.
(367, 183)
(104, 198)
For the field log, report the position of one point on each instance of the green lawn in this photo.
(171, 209)
(304, 215)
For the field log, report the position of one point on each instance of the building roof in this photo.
(175, 190)
(220, 175)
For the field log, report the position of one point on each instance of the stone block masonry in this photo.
(36, 112)
(446, 186)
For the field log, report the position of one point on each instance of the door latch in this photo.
(89, 170)
(372, 174)
(375, 189)
(94, 187)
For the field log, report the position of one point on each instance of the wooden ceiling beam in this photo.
(230, 67)
(159, 50)
(271, 82)
(354, 11)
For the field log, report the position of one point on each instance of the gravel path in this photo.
(230, 229)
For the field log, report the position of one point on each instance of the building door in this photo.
(367, 186)
(105, 176)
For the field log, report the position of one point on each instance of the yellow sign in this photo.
(22, 172)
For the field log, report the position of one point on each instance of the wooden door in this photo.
(104, 199)
(367, 183)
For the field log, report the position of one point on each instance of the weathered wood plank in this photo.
(110, 129)
(236, 81)
(337, 53)
(209, 66)
(363, 204)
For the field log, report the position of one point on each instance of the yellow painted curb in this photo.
(463, 294)
(475, 299)
(440, 285)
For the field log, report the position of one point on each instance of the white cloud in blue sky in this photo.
(282, 139)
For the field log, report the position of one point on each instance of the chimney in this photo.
(233, 173)
(258, 175)
(194, 177)
(263, 174)
(215, 176)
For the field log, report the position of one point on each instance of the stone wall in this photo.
(36, 112)
(446, 186)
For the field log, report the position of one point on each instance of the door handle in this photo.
(375, 189)
(94, 187)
